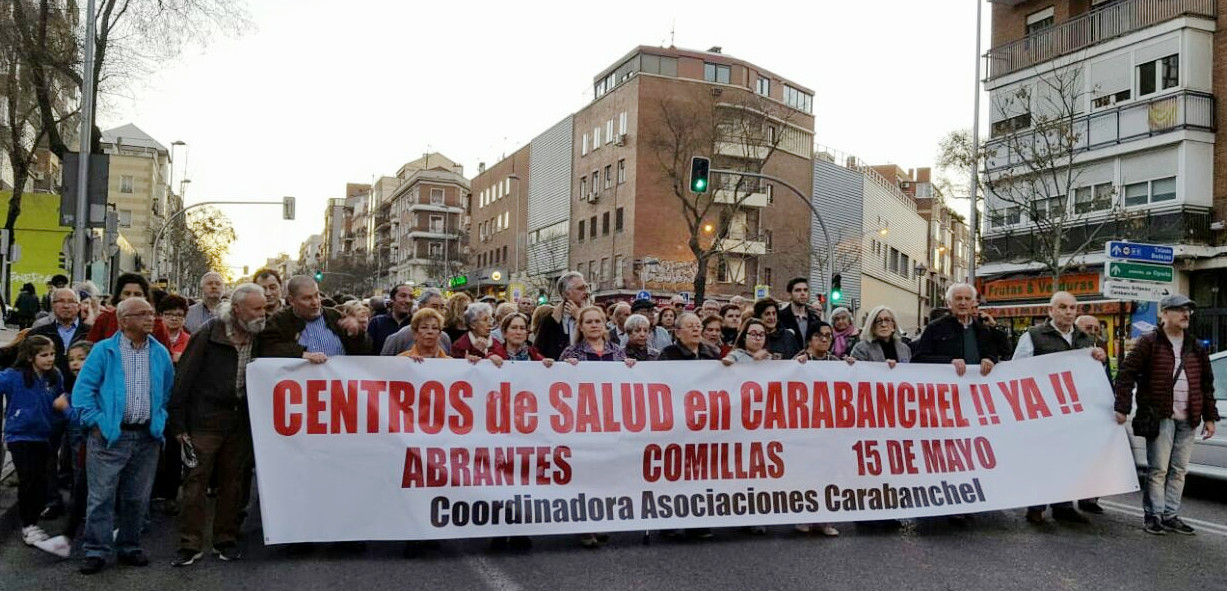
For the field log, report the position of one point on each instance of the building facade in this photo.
(139, 187)
(1136, 82)
(420, 223)
(498, 245)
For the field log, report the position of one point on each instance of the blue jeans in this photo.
(1167, 460)
(125, 472)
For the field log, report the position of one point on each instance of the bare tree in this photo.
(739, 130)
(201, 239)
(1031, 178)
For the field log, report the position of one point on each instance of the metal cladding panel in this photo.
(549, 166)
(549, 197)
(839, 196)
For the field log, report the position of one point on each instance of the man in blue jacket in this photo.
(121, 398)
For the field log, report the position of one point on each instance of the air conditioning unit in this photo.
(593, 197)
(621, 140)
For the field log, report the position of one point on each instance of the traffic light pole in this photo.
(830, 266)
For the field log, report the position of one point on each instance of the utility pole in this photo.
(975, 158)
(81, 222)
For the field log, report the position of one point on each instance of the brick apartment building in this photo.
(622, 224)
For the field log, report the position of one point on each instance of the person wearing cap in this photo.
(1175, 393)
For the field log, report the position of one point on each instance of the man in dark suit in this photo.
(798, 315)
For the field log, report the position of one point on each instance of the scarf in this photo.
(840, 347)
(479, 343)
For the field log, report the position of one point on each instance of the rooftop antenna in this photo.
(672, 30)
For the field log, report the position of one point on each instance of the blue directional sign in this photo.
(643, 295)
(1146, 253)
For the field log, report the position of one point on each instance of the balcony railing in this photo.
(1094, 27)
(1177, 224)
(1170, 112)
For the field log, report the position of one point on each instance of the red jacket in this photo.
(1151, 365)
(107, 324)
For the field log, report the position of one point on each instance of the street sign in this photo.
(643, 295)
(762, 291)
(685, 296)
(1141, 272)
(1142, 292)
(516, 290)
(1145, 253)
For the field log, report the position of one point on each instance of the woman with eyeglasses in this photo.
(846, 332)
(880, 339)
(818, 345)
(751, 343)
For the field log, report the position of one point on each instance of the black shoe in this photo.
(1036, 516)
(93, 565)
(1176, 525)
(1153, 526)
(1069, 515)
(186, 557)
(521, 543)
(137, 558)
(1091, 507)
(227, 552)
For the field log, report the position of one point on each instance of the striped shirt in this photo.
(136, 377)
(317, 338)
(244, 353)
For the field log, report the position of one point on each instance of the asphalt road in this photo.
(998, 551)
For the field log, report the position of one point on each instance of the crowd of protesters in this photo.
(139, 402)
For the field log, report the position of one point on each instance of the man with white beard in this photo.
(208, 414)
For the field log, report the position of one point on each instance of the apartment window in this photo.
(609, 134)
(604, 268)
(125, 217)
(617, 269)
(1015, 123)
(596, 181)
(584, 150)
(1096, 198)
(592, 226)
(1159, 74)
(893, 260)
(798, 99)
(125, 184)
(1006, 216)
(583, 187)
(605, 224)
(770, 194)
(581, 230)
(436, 249)
(504, 256)
(1050, 207)
(905, 265)
(1163, 189)
(436, 223)
(618, 220)
(764, 86)
(717, 73)
(621, 171)
(1038, 21)
(767, 275)
(609, 175)
(436, 196)
(1111, 99)
(622, 123)
(1150, 191)
(596, 137)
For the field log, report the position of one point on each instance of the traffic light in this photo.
(63, 261)
(700, 169)
(837, 288)
(319, 276)
(542, 299)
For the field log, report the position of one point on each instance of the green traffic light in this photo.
(836, 296)
(700, 184)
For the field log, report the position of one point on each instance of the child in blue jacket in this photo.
(34, 391)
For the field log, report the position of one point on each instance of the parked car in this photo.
(1209, 455)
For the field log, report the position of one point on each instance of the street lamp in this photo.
(921, 272)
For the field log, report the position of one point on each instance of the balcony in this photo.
(1174, 224)
(1186, 110)
(1091, 28)
(742, 150)
(743, 246)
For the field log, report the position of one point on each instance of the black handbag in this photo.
(1146, 422)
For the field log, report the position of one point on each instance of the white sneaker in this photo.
(32, 534)
(829, 531)
(58, 545)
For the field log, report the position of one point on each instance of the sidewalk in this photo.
(8, 497)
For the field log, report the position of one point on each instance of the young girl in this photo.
(76, 439)
(34, 391)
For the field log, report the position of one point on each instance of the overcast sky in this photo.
(325, 92)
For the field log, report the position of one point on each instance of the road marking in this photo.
(494, 577)
(1207, 526)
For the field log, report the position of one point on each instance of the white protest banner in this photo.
(382, 448)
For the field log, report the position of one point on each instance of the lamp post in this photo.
(921, 273)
